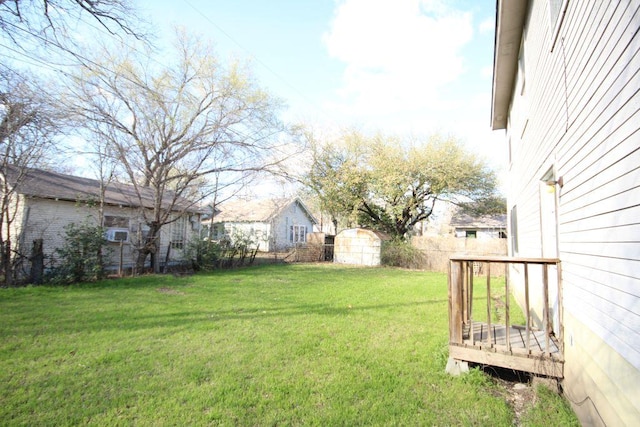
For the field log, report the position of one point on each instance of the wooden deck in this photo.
(519, 347)
(517, 336)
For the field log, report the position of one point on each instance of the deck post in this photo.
(471, 295)
(465, 293)
(455, 302)
(545, 307)
(527, 310)
(560, 308)
(507, 318)
(489, 334)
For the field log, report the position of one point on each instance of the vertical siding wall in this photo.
(577, 109)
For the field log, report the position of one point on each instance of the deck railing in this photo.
(535, 346)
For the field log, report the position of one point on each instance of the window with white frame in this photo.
(298, 233)
(178, 232)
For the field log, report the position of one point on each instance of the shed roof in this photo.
(52, 185)
(358, 232)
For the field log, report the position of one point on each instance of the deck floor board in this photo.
(517, 338)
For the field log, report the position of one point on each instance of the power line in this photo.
(87, 61)
(257, 59)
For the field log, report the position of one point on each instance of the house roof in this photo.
(460, 220)
(510, 17)
(52, 185)
(257, 210)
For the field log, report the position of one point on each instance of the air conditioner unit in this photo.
(117, 235)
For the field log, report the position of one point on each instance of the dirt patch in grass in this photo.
(521, 397)
(519, 389)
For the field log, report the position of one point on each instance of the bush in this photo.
(81, 257)
(204, 254)
(400, 253)
(228, 252)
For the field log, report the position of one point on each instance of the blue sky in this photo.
(403, 66)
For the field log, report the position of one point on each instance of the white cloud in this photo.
(398, 54)
(487, 26)
(486, 72)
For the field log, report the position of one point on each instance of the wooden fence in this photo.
(438, 250)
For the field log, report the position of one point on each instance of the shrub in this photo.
(203, 254)
(400, 253)
(81, 257)
(232, 251)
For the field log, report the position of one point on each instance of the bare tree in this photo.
(52, 20)
(29, 124)
(170, 121)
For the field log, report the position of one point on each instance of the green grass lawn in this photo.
(286, 345)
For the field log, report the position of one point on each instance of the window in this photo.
(471, 234)
(557, 9)
(178, 232)
(111, 221)
(514, 230)
(116, 228)
(218, 231)
(298, 233)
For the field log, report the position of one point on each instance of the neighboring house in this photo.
(46, 202)
(269, 224)
(565, 88)
(480, 227)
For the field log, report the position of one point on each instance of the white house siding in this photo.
(292, 215)
(273, 234)
(258, 232)
(46, 219)
(577, 110)
(480, 234)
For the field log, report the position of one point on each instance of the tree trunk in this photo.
(150, 248)
(37, 262)
(6, 263)
(140, 260)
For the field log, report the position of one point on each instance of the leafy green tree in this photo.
(390, 184)
(490, 206)
(336, 178)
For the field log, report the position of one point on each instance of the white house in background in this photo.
(45, 202)
(565, 89)
(273, 224)
(479, 227)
